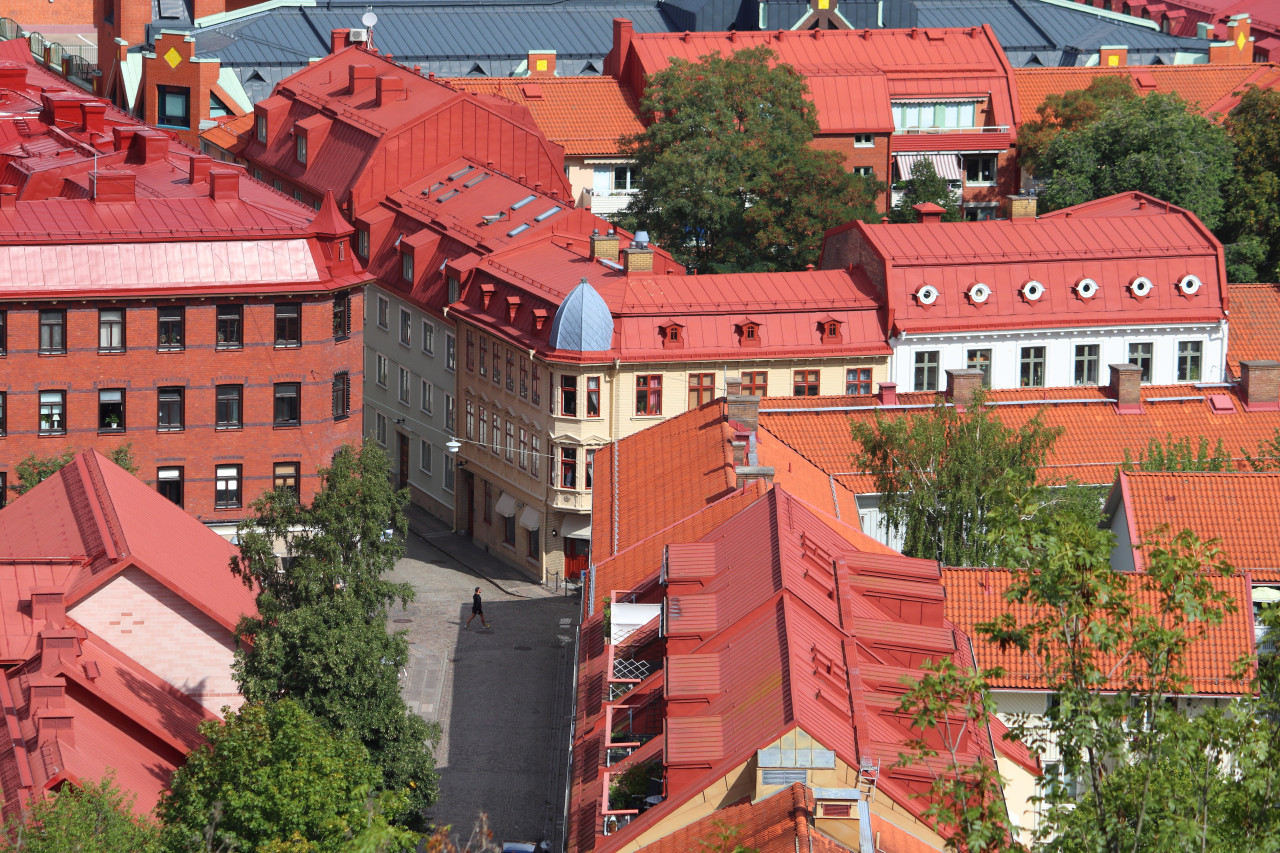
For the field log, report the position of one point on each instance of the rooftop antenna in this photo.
(369, 19)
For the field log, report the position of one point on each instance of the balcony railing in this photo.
(570, 499)
(913, 131)
(610, 202)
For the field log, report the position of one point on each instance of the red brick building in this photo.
(153, 298)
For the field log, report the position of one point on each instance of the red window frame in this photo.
(649, 394)
(568, 395)
(857, 380)
(756, 383)
(568, 467)
(805, 383)
(702, 389)
(593, 396)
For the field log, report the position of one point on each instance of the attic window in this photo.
(436, 186)
(830, 329)
(532, 91)
(522, 202)
(672, 336)
(486, 294)
(1221, 403)
(513, 305)
(477, 71)
(539, 320)
(749, 334)
(837, 810)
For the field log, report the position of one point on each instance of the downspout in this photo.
(617, 369)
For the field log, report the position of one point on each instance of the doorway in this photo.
(577, 557)
(402, 477)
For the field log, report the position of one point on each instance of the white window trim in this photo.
(384, 312)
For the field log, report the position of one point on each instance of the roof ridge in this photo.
(116, 530)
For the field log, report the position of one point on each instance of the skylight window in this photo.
(546, 214)
(477, 179)
(465, 171)
(437, 185)
(519, 229)
(522, 202)
(450, 194)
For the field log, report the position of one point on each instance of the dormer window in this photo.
(300, 148)
(829, 328)
(749, 334)
(486, 294)
(262, 129)
(513, 305)
(672, 336)
(406, 266)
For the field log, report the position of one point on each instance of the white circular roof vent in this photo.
(1189, 285)
(979, 293)
(1140, 286)
(1087, 288)
(927, 294)
(1032, 290)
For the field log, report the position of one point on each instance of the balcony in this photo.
(570, 499)
(634, 659)
(916, 131)
(609, 203)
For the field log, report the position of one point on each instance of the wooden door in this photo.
(577, 557)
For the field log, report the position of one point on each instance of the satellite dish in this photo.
(369, 19)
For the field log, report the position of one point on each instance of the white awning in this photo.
(530, 519)
(1265, 595)
(946, 165)
(576, 527)
(506, 505)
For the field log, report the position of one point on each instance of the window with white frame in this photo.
(1189, 355)
(428, 337)
(406, 327)
(384, 308)
(471, 420)
(450, 352)
(864, 171)
(404, 386)
(380, 428)
(864, 140)
(424, 457)
(449, 413)
(227, 492)
(979, 170)
(535, 458)
(926, 115)
(380, 374)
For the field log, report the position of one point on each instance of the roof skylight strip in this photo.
(522, 202)
(546, 214)
(519, 229)
(477, 179)
(450, 194)
(437, 185)
(465, 171)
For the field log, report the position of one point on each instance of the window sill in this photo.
(171, 349)
(46, 434)
(52, 352)
(226, 508)
(170, 429)
(186, 126)
(111, 430)
(969, 184)
(228, 347)
(228, 427)
(342, 417)
(286, 426)
(647, 417)
(279, 345)
(337, 339)
(111, 351)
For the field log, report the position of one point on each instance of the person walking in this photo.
(477, 609)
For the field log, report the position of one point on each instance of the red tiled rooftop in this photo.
(586, 115)
(1212, 89)
(1091, 448)
(780, 823)
(1241, 509)
(1255, 324)
(977, 595)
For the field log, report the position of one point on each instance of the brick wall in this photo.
(32, 13)
(875, 156)
(173, 66)
(166, 634)
(199, 447)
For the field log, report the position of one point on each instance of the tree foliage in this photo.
(33, 470)
(1154, 144)
(320, 634)
(89, 818)
(939, 474)
(726, 176)
(271, 778)
(924, 186)
(1252, 218)
(1069, 111)
(1176, 454)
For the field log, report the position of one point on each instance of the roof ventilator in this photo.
(1032, 291)
(1086, 288)
(1189, 285)
(979, 293)
(927, 295)
(1140, 286)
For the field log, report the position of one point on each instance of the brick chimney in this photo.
(224, 184)
(961, 385)
(743, 408)
(542, 63)
(604, 246)
(1126, 388)
(739, 450)
(389, 88)
(8, 197)
(199, 168)
(637, 259)
(1112, 56)
(114, 186)
(622, 32)
(360, 80)
(93, 117)
(1236, 47)
(928, 211)
(888, 393)
(1022, 207)
(338, 39)
(1260, 385)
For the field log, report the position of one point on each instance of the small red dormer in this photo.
(513, 307)
(672, 335)
(830, 330)
(486, 294)
(539, 319)
(749, 333)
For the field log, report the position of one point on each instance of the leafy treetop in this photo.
(925, 185)
(1069, 111)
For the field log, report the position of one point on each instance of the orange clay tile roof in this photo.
(891, 838)
(1090, 450)
(776, 824)
(1213, 89)
(1255, 324)
(977, 595)
(586, 115)
(226, 135)
(1241, 509)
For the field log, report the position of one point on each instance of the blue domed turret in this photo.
(583, 322)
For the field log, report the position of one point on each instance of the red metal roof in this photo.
(977, 595)
(1101, 243)
(857, 72)
(1255, 324)
(586, 115)
(1240, 509)
(779, 823)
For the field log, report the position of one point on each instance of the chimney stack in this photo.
(888, 393)
(58, 646)
(200, 165)
(638, 257)
(389, 88)
(360, 80)
(93, 116)
(1126, 388)
(928, 212)
(1113, 56)
(338, 39)
(542, 63)
(47, 605)
(8, 197)
(224, 184)
(961, 386)
(750, 473)
(114, 186)
(13, 75)
(1260, 385)
(623, 29)
(743, 408)
(604, 246)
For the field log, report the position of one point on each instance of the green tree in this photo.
(1177, 455)
(1154, 144)
(1252, 229)
(940, 472)
(34, 470)
(89, 818)
(320, 634)
(727, 178)
(1069, 111)
(924, 186)
(948, 707)
(271, 778)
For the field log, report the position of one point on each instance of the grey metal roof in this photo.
(582, 322)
